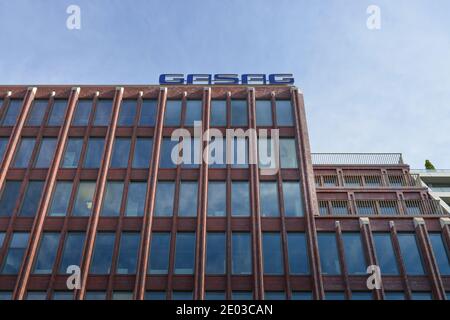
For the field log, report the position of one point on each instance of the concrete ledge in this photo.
(364, 221)
(418, 222)
(444, 222)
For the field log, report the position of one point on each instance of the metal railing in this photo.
(357, 158)
(367, 180)
(419, 207)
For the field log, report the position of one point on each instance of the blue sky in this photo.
(384, 90)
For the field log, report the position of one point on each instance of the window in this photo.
(354, 253)
(73, 249)
(112, 199)
(103, 113)
(288, 154)
(47, 253)
(268, 194)
(394, 295)
(128, 252)
(120, 153)
(242, 295)
(164, 198)
(182, 295)
(334, 295)
(136, 199)
(60, 198)
(301, 295)
(264, 113)
(155, 295)
(81, 116)
(103, 252)
(94, 153)
(215, 253)
(329, 259)
(11, 114)
(185, 253)
(385, 253)
(193, 112)
(14, 256)
(58, 112)
(215, 295)
(142, 152)
(36, 295)
(266, 153)
(293, 206)
(8, 199)
(272, 253)
(239, 117)
(2, 237)
(72, 153)
(127, 113)
(46, 151)
(122, 295)
(191, 153)
(172, 115)
(95, 295)
(63, 295)
(284, 113)
(440, 253)
(410, 253)
(30, 203)
(239, 158)
(159, 253)
(188, 199)
(241, 253)
(240, 199)
(297, 253)
(83, 201)
(362, 295)
(3, 144)
(37, 112)
(421, 295)
(218, 116)
(166, 152)
(217, 191)
(5, 295)
(274, 295)
(24, 152)
(217, 149)
(148, 113)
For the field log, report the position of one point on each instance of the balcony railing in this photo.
(357, 158)
(368, 181)
(420, 207)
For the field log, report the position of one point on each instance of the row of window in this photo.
(129, 109)
(134, 199)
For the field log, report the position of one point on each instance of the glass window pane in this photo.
(37, 112)
(148, 113)
(217, 191)
(155, 295)
(240, 157)
(193, 112)
(440, 253)
(362, 295)
(354, 253)
(46, 151)
(239, 117)
(217, 152)
(288, 153)
(9, 198)
(3, 144)
(272, 253)
(334, 295)
(94, 153)
(47, 253)
(166, 152)
(182, 295)
(172, 115)
(60, 198)
(36, 295)
(185, 253)
(164, 198)
(215, 295)
(112, 199)
(240, 199)
(218, 117)
(410, 253)
(274, 295)
(136, 199)
(284, 113)
(188, 199)
(14, 255)
(142, 152)
(63, 295)
(127, 113)
(72, 153)
(241, 253)
(5, 295)
(298, 254)
(159, 253)
(103, 113)
(421, 296)
(32, 198)
(385, 253)
(58, 112)
(129, 246)
(292, 199)
(12, 112)
(95, 295)
(264, 113)
(122, 295)
(191, 153)
(73, 249)
(120, 153)
(215, 253)
(268, 194)
(242, 295)
(82, 113)
(301, 295)
(394, 295)
(103, 251)
(24, 152)
(83, 201)
(2, 237)
(329, 259)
